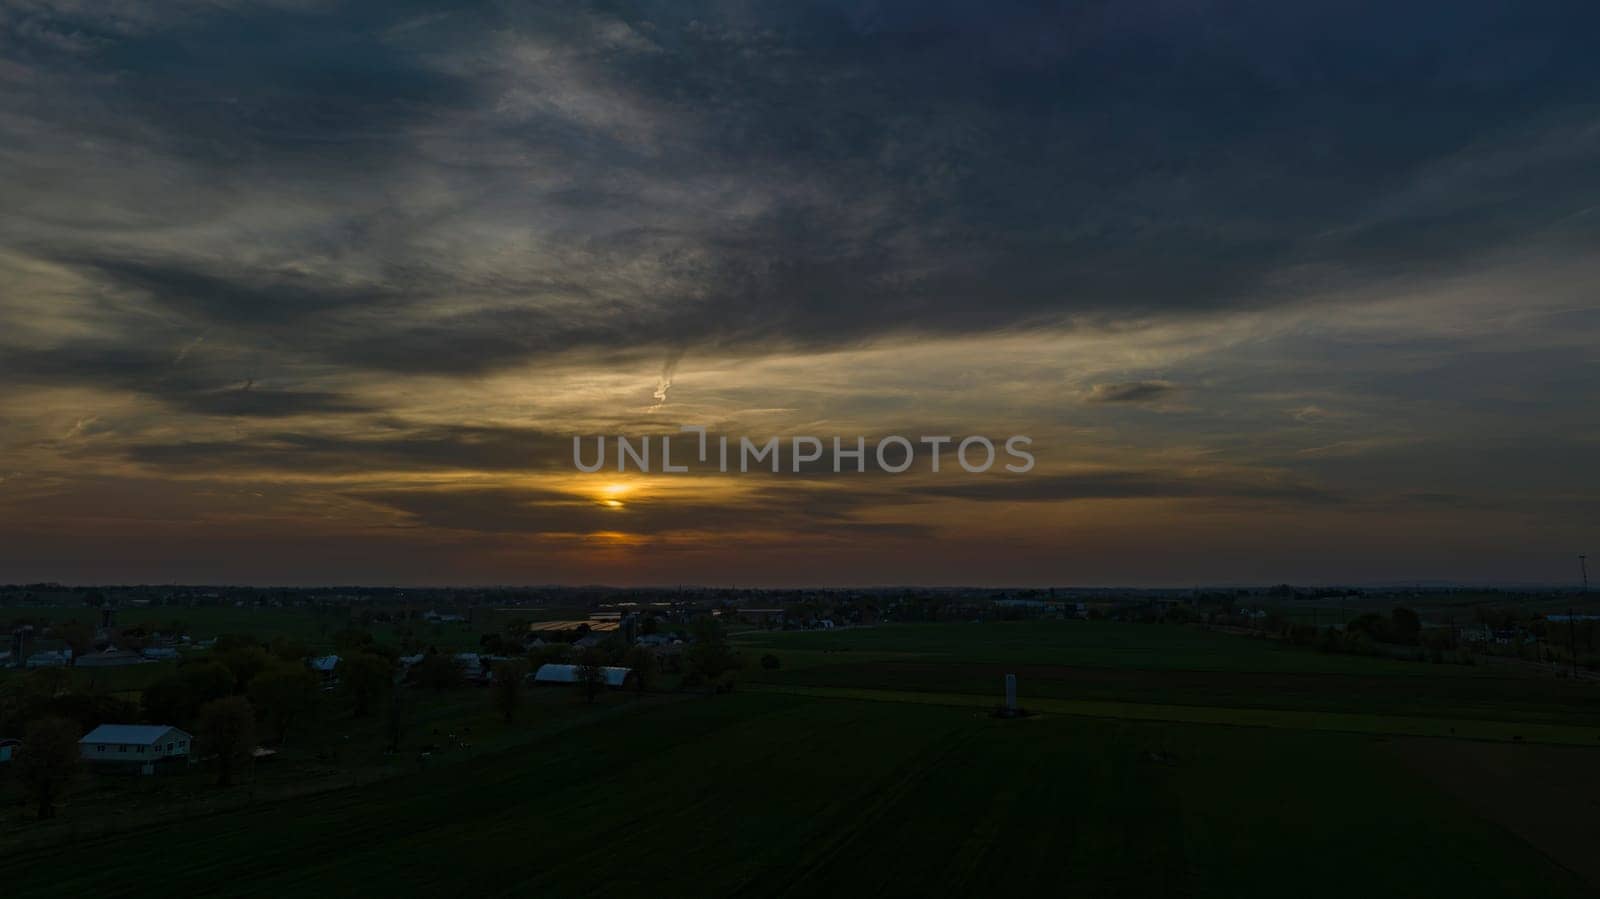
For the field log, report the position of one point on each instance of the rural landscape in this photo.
(1160, 743)
(821, 448)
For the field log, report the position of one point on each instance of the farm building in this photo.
(594, 625)
(568, 674)
(50, 658)
(327, 668)
(111, 658)
(141, 744)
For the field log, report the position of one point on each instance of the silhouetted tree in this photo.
(508, 681)
(365, 678)
(1405, 626)
(283, 693)
(591, 676)
(49, 761)
(289, 650)
(78, 636)
(709, 657)
(170, 700)
(438, 671)
(244, 663)
(208, 680)
(643, 664)
(228, 728)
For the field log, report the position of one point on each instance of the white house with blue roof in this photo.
(141, 744)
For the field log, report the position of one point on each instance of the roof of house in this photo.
(568, 674)
(135, 734)
(111, 655)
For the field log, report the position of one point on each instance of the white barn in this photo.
(568, 674)
(141, 744)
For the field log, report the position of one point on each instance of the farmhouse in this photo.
(568, 674)
(140, 744)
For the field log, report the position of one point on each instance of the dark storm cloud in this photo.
(396, 448)
(1131, 392)
(805, 174)
(183, 383)
(232, 295)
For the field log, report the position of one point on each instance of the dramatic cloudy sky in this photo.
(300, 292)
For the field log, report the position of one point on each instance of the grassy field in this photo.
(764, 794)
(1096, 644)
(1087, 661)
(817, 780)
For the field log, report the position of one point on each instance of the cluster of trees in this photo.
(272, 678)
(710, 661)
(1366, 634)
(1403, 627)
(48, 693)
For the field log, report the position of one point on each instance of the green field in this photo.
(1096, 644)
(850, 788)
(781, 795)
(1166, 665)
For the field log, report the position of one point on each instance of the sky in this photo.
(301, 292)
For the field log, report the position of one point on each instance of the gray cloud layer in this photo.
(1342, 248)
(364, 185)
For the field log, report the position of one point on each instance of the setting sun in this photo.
(611, 495)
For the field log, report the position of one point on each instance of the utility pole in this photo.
(1583, 566)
